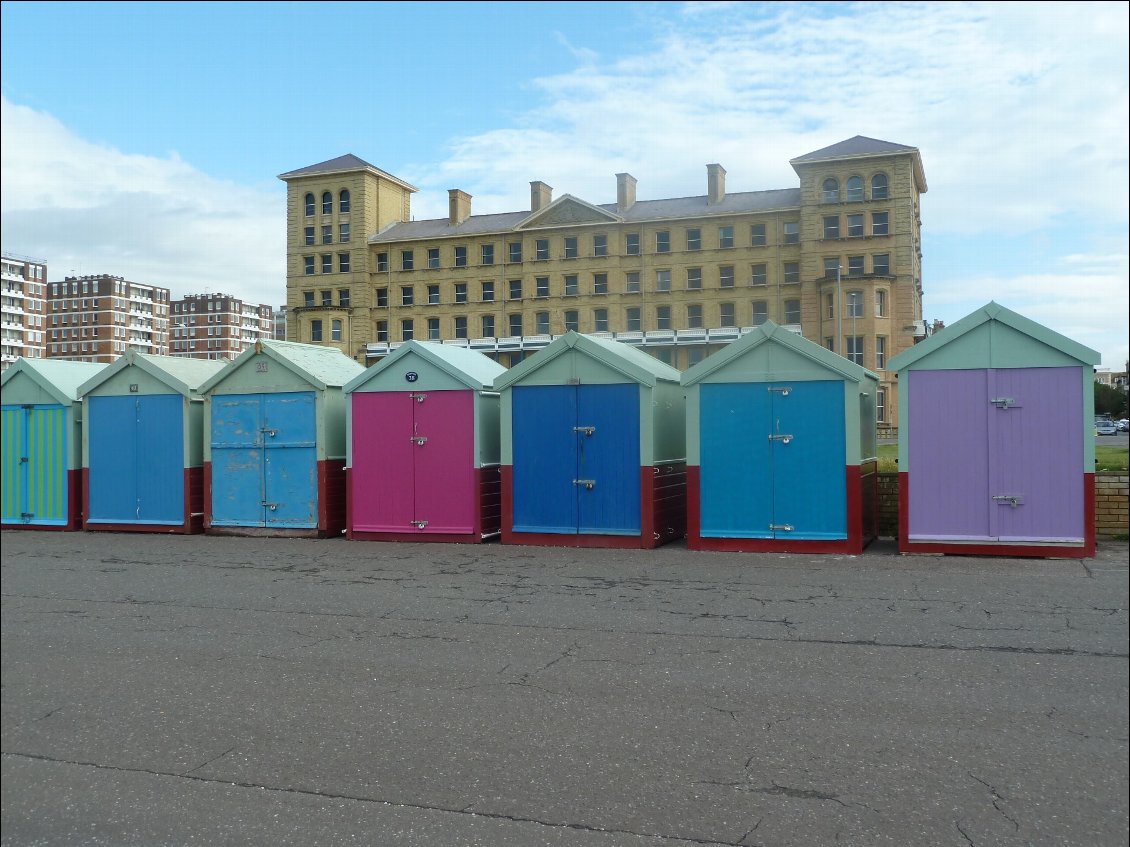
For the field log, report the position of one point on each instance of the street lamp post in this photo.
(839, 309)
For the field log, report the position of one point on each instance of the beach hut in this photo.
(593, 450)
(274, 441)
(781, 447)
(42, 443)
(141, 440)
(424, 446)
(996, 440)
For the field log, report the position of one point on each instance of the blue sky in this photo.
(145, 139)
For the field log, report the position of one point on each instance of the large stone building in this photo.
(22, 318)
(217, 326)
(837, 259)
(98, 318)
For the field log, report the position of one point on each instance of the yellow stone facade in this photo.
(677, 277)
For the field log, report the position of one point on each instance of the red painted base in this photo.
(193, 514)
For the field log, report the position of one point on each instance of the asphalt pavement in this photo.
(166, 690)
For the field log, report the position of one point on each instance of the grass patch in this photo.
(1106, 458)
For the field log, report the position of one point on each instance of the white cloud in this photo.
(90, 209)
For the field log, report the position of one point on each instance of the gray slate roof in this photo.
(858, 146)
(343, 164)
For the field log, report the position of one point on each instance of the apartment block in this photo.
(279, 319)
(217, 326)
(23, 291)
(98, 318)
(836, 258)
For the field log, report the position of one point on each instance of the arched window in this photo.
(831, 190)
(879, 187)
(327, 203)
(309, 204)
(343, 201)
(855, 188)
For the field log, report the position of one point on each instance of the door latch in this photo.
(783, 390)
(784, 439)
(1004, 402)
(780, 527)
(419, 440)
(587, 430)
(271, 506)
(268, 431)
(586, 483)
(1012, 500)
(419, 524)
(419, 398)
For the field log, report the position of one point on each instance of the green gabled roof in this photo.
(771, 333)
(58, 377)
(322, 367)
(993, 311)
(183, 375)
(623, 358)
(473, 369)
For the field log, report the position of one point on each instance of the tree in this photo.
(1109, 401)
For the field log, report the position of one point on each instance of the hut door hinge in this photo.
(419, 398)
(587, 430)
(784, 439)
(587, 483)
(1013, 500)
(419, 440)
(780, 527)
(1004, 402)
(419, 524)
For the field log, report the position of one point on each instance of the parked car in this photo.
(1123, 425)
(1104, 426)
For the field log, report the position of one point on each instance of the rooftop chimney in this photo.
(715, 184)
(541, 195)
(458, 206)
(625, 191)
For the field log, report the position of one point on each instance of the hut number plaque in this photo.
(411, 376)
(261, 367)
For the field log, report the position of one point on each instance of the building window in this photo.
(727, 315)
(600, 245)
(879, 187)
(315, 330)
(541, 320)
(335, 330)
(515, 248)
(327, 234)
(308, 265)
(343, 263)
(515, 289)
(308, 235)
(831, 266)
(406, 260)
(516, 324)
(327, 263)
(662, 317)
(488, 326)
(829, 305)
(855, 188)
(382, 263)
(757, 235)
(632, 319)
(832, 226)
(461, 326)
(855, 348)
(759, 274)
(572, 289)
(725, 236)
(694, 316)
(879, 223)
(792, 312)
(632, 282)
(343, 200)
(382, 298)
(541, 249)
(632, 244)
(663, 280)
(406, 329)
(308, 299)
(571, 321)
(694, 239)
(343, 297)
(460, 292)
(433, 295)
(327, 300)
(855, 266)
(663, 241)
(881, 264)
(881, 405)
(488, 291)
(791, 272)
(486, 254)
(880, 352)
(760, 312)
(855, 226)
(407, 295)
(600, 320)
(571, 247)
(433, 329)
(327, 203)
(541, 286)
(433, 257)
(831, 190)
(309, 208)
(726, 276)
(343, 233)
(792, 232)
(461, 257)
(880, 303)
(854, 304)
(694, 279)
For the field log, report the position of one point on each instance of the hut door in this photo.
(382, 480)
(136, 465)
(576, 459)
(442, 451)
(35, 465)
